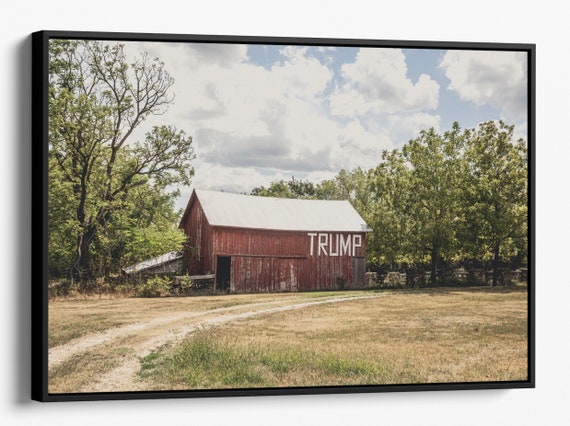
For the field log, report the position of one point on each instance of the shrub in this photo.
(62, 288)
(155, 287)
(186, 284)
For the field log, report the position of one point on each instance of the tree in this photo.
(145, 227)
(347, 185)
(495, 194)
(418, 195)
(293, 188)
(97, 99)
(389, 187)
(434, 196)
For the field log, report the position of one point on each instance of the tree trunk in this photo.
(80, 271)
(495, 265)
(434, 260)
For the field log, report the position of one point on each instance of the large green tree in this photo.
(434, 194)
(97, 100)
(495, 195)
(388, 243)
(457, 196)
(418, 189)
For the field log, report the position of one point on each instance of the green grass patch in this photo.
(202, 361)
(210, 360)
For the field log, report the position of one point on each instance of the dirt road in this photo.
(145, 337)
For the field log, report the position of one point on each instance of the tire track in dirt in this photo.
(122, 378)
(62, 353)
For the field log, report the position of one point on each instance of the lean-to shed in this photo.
(169, 263)
(262, 244)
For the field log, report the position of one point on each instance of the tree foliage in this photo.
(103, 181)
(495, 194)
(426, 199)
(293, 188)
(457, 197)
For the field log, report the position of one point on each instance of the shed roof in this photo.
(249, 211)
(153, 263)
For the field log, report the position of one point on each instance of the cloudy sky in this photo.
(260, 113)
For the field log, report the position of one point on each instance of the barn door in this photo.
(223, 272)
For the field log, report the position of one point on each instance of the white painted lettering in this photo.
(312, 235)
(323, 240)
(334, 244)
(331, 252)
(355, 244)
(344, 245)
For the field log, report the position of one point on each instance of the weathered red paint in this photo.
(273, 261)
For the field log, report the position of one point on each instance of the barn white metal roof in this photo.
(248, 211)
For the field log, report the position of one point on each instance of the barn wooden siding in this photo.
(264, 260)
(271, 261)
(198, 252)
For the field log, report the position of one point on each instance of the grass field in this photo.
(393, 337)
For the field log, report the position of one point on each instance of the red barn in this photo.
(262, 244)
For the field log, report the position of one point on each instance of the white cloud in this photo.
(192, 54)
(495, 78)
(408, 126)
(377, 83)
(229, 179)
(255, 124)
(300, 76)
(248, 116)
(216, 177)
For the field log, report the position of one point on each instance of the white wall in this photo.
(483, 20)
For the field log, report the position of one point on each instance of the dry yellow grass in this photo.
(72, 318)
(424, 336)
(418, 337)
(96, 343)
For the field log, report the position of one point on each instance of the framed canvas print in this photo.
(225, 216)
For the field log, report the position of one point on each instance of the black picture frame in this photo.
(40, 180)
